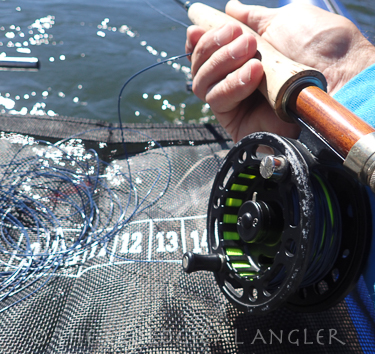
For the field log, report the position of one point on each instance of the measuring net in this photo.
(92, 238)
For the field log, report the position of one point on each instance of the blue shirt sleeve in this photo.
(358, 95)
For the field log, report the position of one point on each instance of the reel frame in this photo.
(256, 297)
(261, 225)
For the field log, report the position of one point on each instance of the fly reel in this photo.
(285, 226)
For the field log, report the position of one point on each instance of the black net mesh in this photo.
(127, 292)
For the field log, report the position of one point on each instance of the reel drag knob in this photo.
(258, 223)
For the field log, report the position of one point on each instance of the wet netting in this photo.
(92, 237)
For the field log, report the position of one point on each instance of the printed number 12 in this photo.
(136, 247)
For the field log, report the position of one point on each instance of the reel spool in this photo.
(285, 226)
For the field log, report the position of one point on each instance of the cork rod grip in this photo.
(281, 73)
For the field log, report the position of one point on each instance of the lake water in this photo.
(88, 49)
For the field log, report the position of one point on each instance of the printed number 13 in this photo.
(172, 244)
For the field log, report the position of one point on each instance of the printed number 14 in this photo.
(198, 247)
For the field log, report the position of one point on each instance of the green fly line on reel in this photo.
(284, 227)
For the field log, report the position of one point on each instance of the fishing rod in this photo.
(290, 227)
(184, 4)
(297, 92)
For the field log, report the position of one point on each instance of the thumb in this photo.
(256, 17)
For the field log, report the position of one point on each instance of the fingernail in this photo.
(224, 35)
(239, 47)
(189, 47)
(245, 74)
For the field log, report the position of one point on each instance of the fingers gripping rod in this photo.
(296, 91)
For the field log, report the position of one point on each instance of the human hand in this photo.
(226, 76)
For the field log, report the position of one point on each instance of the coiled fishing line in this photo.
(49, 210)
(49, 205)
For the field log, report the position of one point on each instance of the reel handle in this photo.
(295, 90)
(192, 262)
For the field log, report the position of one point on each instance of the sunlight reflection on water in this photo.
(88, 50)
